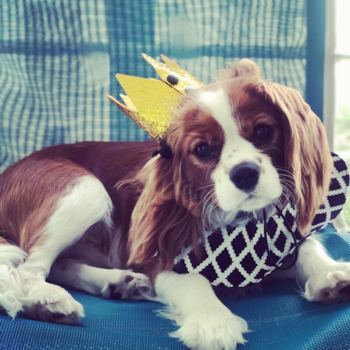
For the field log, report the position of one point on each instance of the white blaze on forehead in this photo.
(218, 104)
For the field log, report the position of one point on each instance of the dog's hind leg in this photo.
(84, 205)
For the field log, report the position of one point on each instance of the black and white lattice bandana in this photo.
(239, 256)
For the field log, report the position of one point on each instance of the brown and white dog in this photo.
(82, 214)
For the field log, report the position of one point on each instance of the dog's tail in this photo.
(10, 286)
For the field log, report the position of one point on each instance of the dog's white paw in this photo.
(51, 303)
(130, 286)
(212, 329)
(330, 286)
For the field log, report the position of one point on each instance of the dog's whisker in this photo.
(202, 188)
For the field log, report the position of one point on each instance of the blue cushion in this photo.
(279, 317)
(58, 59)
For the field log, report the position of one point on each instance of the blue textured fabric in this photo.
(279, 317)
(58, 59)
(316, 34)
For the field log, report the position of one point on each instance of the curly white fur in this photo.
(10, 282)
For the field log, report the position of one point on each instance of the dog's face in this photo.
(246, 178)
(233, 140)
(240, 144)
(244, 143)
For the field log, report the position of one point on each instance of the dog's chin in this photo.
(249, 210)
(253, 203)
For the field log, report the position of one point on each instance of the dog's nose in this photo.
(245, 176)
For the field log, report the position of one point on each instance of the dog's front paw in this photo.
(330, 286)
(51, 303)
(212, 329)
(130, 286)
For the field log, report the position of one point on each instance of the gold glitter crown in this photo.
(151, 102)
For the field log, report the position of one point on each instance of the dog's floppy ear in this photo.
(307, 153)
(164, 218)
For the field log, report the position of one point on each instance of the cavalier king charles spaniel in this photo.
(109, 219)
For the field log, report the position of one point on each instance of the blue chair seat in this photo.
(278, 316)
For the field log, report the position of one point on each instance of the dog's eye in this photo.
(262, 132)
(203, 150)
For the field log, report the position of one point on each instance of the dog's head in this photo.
(238, 145)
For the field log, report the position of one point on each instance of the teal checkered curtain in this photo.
(58, 58)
